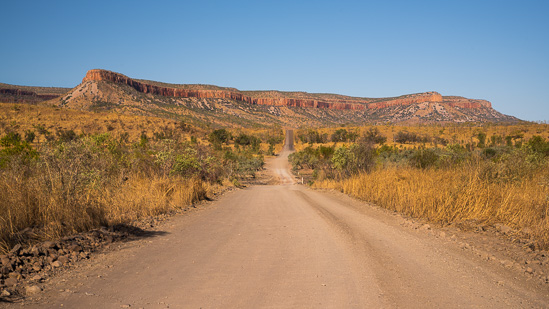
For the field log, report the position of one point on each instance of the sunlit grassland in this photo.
(454, 174)
(456, 195)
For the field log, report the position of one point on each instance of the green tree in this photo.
(537, 144)
(424, 158)
(363, 158)
(374, 136)
(481, 136)
(341, 158)
(340, 135)
(13, 146)
(219, 136)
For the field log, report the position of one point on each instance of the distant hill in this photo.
(26, 94)
(223, 106)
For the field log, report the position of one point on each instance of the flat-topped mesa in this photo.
(339, 104)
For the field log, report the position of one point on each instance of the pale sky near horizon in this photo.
(493, 50)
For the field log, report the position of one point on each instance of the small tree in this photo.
(481, 136)
(537, 144)
(341, 158)
(364, 155)
(340, 135)
(374, 136)
(424, 158)
(219, 136)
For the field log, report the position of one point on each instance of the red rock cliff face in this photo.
(103, 75)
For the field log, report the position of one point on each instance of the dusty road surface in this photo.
(286, 246)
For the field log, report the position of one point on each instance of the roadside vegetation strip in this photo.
(477, 183)
(451, 196)
(74, 183)
(433, 135)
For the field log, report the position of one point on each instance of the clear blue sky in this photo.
(493, 50)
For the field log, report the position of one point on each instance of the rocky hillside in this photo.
(220, 106)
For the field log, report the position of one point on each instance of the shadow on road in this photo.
(133, 232)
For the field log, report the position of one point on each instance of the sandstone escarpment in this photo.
(303, 101)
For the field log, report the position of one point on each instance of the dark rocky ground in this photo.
(24, 269)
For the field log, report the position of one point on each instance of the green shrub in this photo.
(481, 136)
(30, 136)
(424, 158)
(13, 147)
(312, 136)
(374, 136)
(489, 153)
(537, 144)
(248, 140)
(404, 137)
(219, 136)
(340, 135)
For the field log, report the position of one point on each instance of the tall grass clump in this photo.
(457, 195)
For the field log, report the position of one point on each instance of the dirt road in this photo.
(286, 246)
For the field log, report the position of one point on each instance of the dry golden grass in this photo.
(53, 203)
(146, 196)
(457, 195)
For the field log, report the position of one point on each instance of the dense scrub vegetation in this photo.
(54, 184)
(501, 179)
